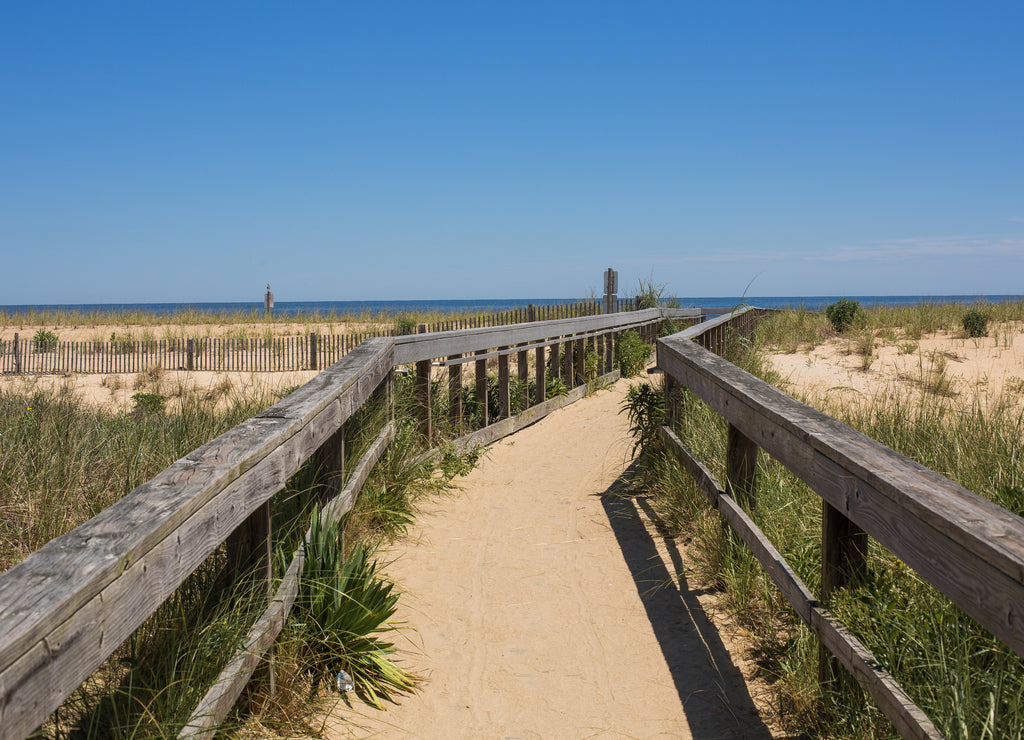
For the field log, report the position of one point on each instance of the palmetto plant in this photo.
(341, 611)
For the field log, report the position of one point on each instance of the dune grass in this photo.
(961, 676)
(63, 461)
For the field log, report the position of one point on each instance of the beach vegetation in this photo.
(44, 340)
(844, 314)
(975, 323)
(631, 353)
(963, 678)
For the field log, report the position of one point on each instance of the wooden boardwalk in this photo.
(541, 603)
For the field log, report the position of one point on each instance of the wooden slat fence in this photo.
(67, 607)
(967, 547)
(229, 354)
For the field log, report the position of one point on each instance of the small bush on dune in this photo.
(843, 314)
(45, 341)
(632, 353)
(975, 323)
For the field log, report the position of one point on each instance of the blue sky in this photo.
(178, 151)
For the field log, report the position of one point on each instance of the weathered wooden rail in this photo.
(967, 547)
(313, 351)
(67, 607)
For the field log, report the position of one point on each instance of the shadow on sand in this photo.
(710, 686)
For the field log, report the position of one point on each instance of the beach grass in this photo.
(963, 678)
(63, 461)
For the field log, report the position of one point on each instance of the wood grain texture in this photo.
(222, 695)
(66, 607)
(409, 349)
(897, 706)
(967, 547)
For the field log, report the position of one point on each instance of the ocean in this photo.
(285, 308)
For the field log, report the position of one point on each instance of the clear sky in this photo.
(194, 151)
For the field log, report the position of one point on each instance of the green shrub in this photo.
(645, 407)
(45, 341)
(975, 322)
(341, 611)
(843, 314)
(632, 353)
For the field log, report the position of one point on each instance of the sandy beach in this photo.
(986, 370)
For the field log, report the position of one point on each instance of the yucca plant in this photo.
(341, 613)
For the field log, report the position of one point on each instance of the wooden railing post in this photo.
(844, 548)
(455, 394)
(423, 400)
(531, 313)
(481, 387)
(190, 354)
(503, 393)
(330, 463)
(741, 468)
(579, 350)
(540, 392)
(523, 366)
(671, 400)
(556, 360)
(312, 351)
(250, 549)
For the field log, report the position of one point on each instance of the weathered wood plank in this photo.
(897, 706)
(969, 548)
(221, 697)
(70, 604)
(513, 424)
(415, 347)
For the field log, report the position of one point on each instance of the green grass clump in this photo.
(975, 323)
(340, 618)
(631, 353)
(844, 314)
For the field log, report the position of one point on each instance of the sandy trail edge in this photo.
(541, 604)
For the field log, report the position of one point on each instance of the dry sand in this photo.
(541, 604)
(114, 391)
(989, 370)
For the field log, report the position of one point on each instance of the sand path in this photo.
(541, 604)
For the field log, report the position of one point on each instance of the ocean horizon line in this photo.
(452, 305)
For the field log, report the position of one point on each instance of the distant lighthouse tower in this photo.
(268, 302)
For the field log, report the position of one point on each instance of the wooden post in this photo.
(671, 400)
(556, 360)
(741, 468)
(531, 313)
(844, 548)
(17, 356)
(503, 394)
(249, 548)
(581, 361)
(190, 354)
(523, 366)
(423, 399)
(312, 351)
(481, 387)
(455, 394)
(540, 391)
(330, 462)
(609, 353)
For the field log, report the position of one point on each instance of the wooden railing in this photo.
(313, 351)
(967, 547)
(67, 607)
